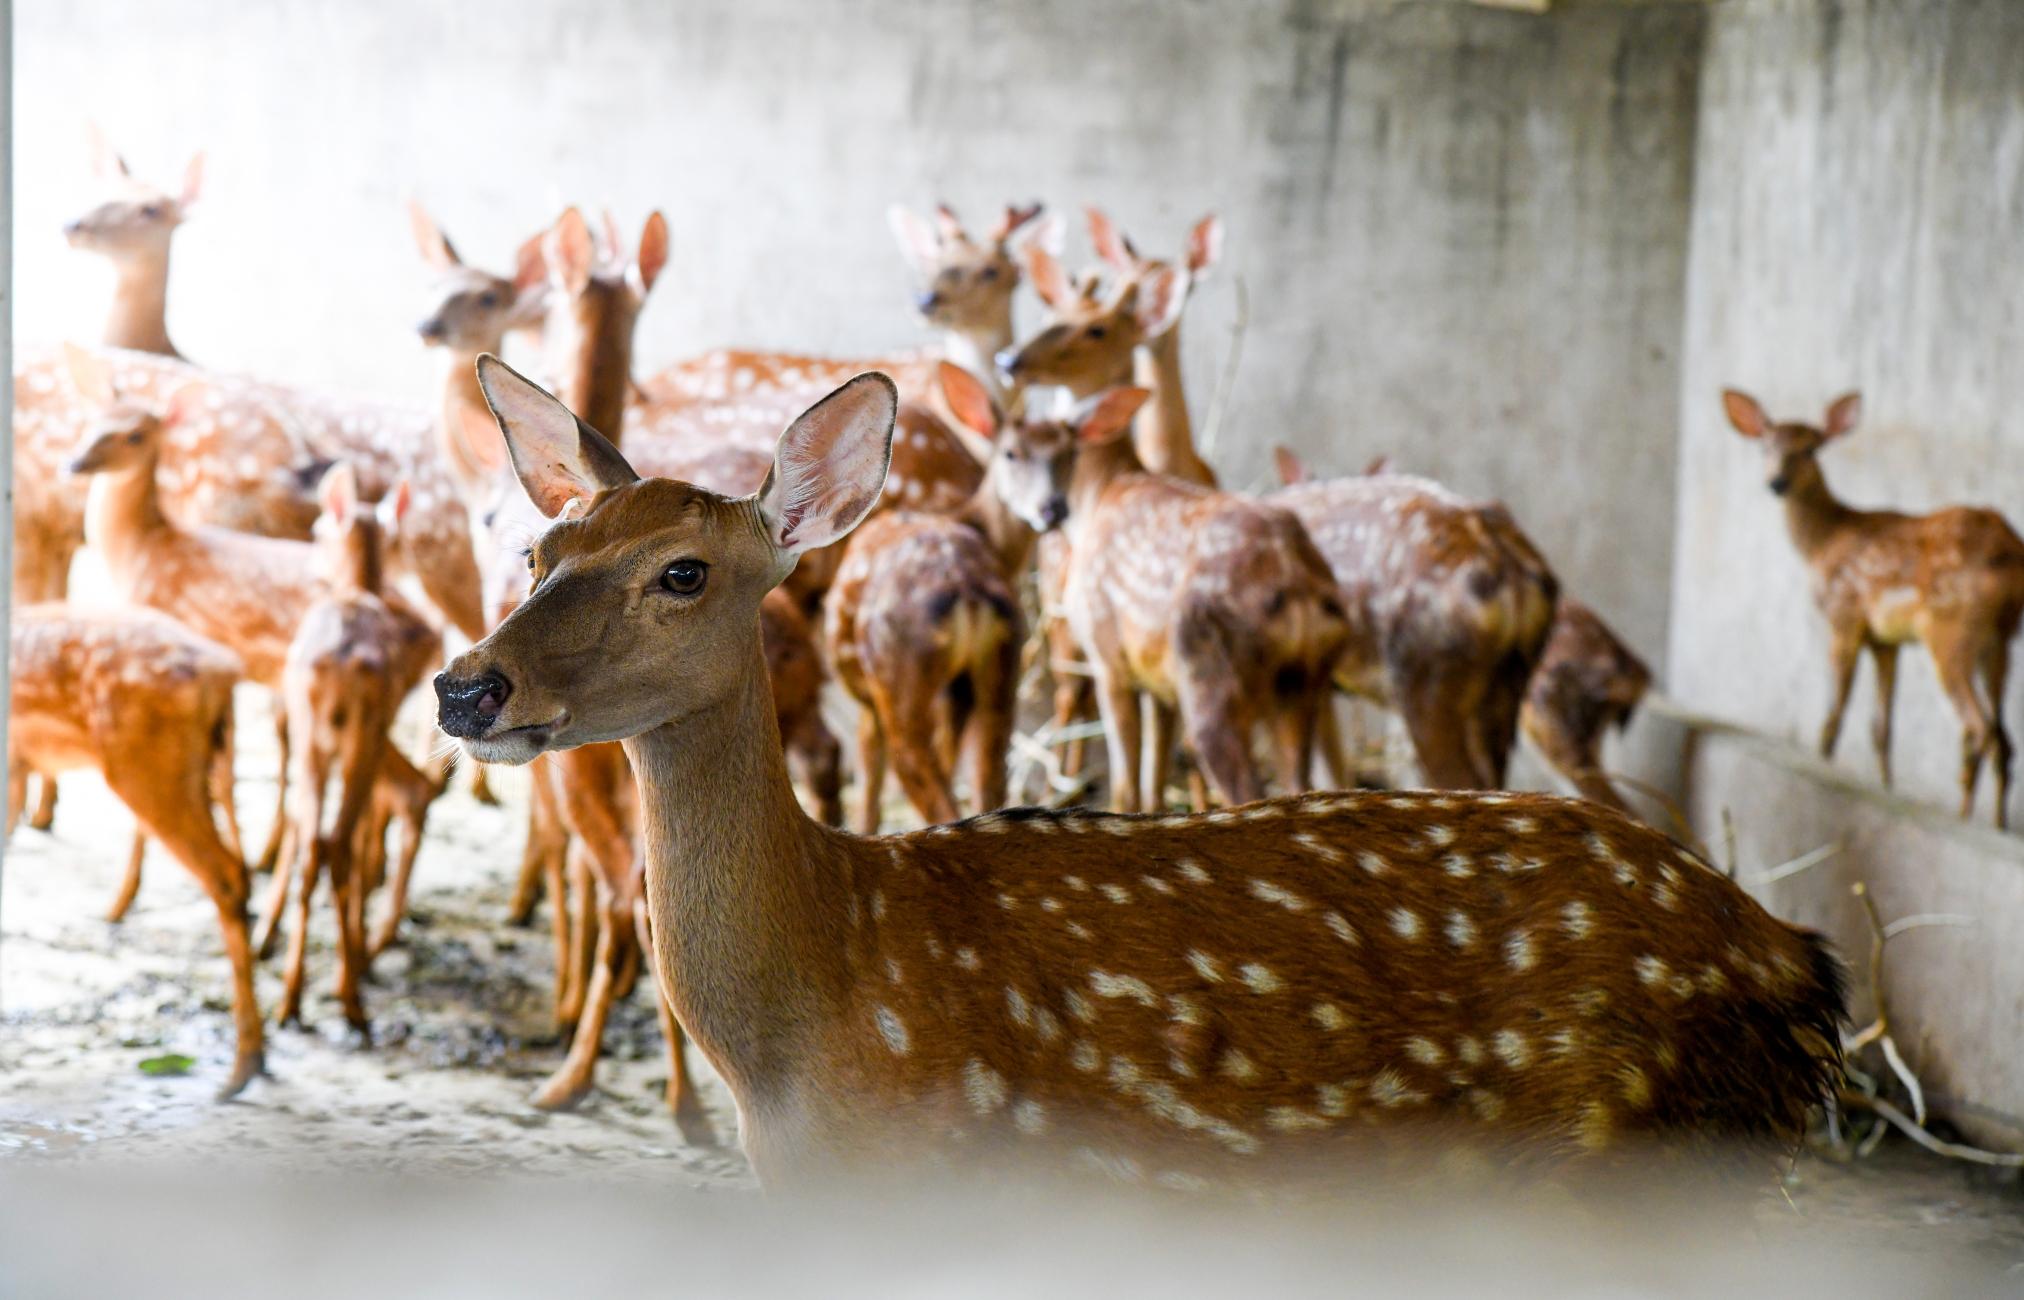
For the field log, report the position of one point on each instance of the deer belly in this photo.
(1896, 615)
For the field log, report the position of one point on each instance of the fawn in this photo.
(1450, 606)
(924, 627)
(1212, 605)
(132, 226)
(1587, 681)
(1953, 579)
(1165, 997)
(148, 704)
(339, 690)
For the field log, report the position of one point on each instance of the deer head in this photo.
(965, 285)
(644, 607)
(471, 309)
(348, 531)
(123, 433)
(131, 218)
(1027, 463)
(1088, 341)
(1790, 448)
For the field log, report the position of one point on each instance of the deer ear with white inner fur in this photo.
(1157, 300)
(968, 400)
(1107, 415)
(557, 457)
(1843, 414)
(830, 466)
(1744, 413)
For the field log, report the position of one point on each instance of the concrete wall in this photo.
(1859, 199)
(1460, 232)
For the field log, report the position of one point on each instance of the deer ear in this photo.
(1205, 245)
(916, 238)
(653, 252)
(1015, 217)
(1049, 280)
(1379, 464)
(1160, 295)
(1744, 414)
(1291, 468)
(830, 466)
(182, 403)
(430, 241)
(402, 497)
(968, 400)
(337, 493)
(91, 375)
(557, 457)
(105, 160)
(571, 252)
(193, 182)
(949, 224)
(1843, 414)
(530, 264)
(1108, 414)
(1109, 241)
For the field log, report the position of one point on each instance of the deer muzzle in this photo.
(466, 707)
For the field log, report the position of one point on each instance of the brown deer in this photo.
(1953, 579)
(924, 627)
(132, 226)
(1167, 998)
(339, 691)
(1214, 607)
(147, 704)
(1587, 682)
(1449, 604)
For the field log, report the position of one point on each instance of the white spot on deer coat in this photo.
(891, 1029)
(984, 1086)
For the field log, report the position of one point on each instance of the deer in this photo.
(146, 703)
(1214, 607)
(132, 226)
(339, 687)
(1952, 580)
(923, 624)
(1450, 607)
(1168, 998)
(1587, 682)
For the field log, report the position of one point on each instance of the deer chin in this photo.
(517, 745)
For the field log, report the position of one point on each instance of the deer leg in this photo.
(224, 786)
(272, 852)
(572, 1080)
(582, 940)
(17, 789)
(1886, 659)
(481, 786)
(268, 928)
(1117, 704)
(1842, 657)
(307, 856)
(691, 1120)
(544, 847)
(1328, 740)
(818, 760)
(44, 815)
(1218, 723)
(397, 898)
(988, 737)
(871, 769)
(1996, 677)
(1955, 663)
(1294, 725)
(1157, 754)
(1426, 695)
(909, 712)
(132, 884)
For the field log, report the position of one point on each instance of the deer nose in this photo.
(1055, 512)
(466, 707)
(928, 301)
(1008, 363)
(73, 228)
(1780, 484)
(431, 329)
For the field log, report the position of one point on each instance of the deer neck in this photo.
(1009, 537)
(597, 362)
(358, 570)
(122, 512)
(1813, 514)
(1096, 468)
(139, 316)
(1163, 433)
(744, 890)
(462, 416)
(975, 350)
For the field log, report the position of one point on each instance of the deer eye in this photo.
(152, 211)
(685, 577)
(988, 273)
(1094, 331)
(488, 300)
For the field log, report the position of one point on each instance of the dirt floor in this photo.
(461, 1009)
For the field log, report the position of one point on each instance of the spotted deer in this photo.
(1587, 682)
(1953, 579)
(1214, 607)
(131, 225)
(147, 704)
(1449, 604)
(923, 624)
(1167, 998)
(339, 692)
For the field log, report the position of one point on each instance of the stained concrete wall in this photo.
(1460, 232)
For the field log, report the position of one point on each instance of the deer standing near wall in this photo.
(1166, 998)
(1953, 580)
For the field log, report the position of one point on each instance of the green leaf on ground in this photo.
(167, 1066)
